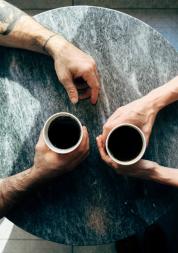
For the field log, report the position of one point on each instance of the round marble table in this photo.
(91, 205)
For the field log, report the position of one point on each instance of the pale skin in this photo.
(142, 113)
(47, 165)
(19, 30)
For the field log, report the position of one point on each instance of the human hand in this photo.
(142, 169)
(71, 63)
(139, 112)
(48, 164)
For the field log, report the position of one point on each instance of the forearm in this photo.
(19, 30)
(167, 176)
(163, 96)
(159, 174)
(12, 189)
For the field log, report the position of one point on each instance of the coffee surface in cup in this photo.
(125, 143)
(64, 132)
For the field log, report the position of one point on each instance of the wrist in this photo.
(167, 176)
(56, 45)
(148, 107)
(36, 174)
(155, 171)
(42, 174)
(41, 39)
(27, 178)
(151, 171)
(155, 100)
(163, 95)
(29, 34)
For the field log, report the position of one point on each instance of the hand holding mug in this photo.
(49, 164)
(140, 113)
(143, 169)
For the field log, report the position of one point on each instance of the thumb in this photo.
(71, 90)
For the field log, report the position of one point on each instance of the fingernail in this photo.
(74, 100)
(93, 102)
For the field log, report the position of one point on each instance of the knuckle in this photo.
(38, 147)
(97, 85)
(71, 91)
(90, 68)
(80, 150)
(65, 79)
(106, 127)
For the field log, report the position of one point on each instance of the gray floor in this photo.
(164, 21)
(15, 240)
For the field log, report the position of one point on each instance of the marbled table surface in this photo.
(91, 205)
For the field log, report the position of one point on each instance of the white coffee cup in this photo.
(141, 151)
(47, 127)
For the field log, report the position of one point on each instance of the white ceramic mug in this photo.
(46, 137)
(135, 159)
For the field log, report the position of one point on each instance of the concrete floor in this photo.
(15, 240)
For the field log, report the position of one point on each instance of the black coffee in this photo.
(125, 143)
(64, 132)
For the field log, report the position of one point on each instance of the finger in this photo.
(84, 95)
(104, 135)
(102, 151)
(85, 142)
(66, 79)
(41, 143)
(105, 157)
(86, 153)
(94, 85)
(81, 148)
(86, 133)
(147, 134)
(71, 90)
(79, 159)
(85, 150)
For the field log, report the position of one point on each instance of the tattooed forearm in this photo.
(9, 15)
(19, 30)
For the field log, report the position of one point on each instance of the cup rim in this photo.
(140, 155)
(46, 138)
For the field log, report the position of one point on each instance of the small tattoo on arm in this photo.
(9, 15)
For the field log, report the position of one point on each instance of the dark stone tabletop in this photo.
(91, 205)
